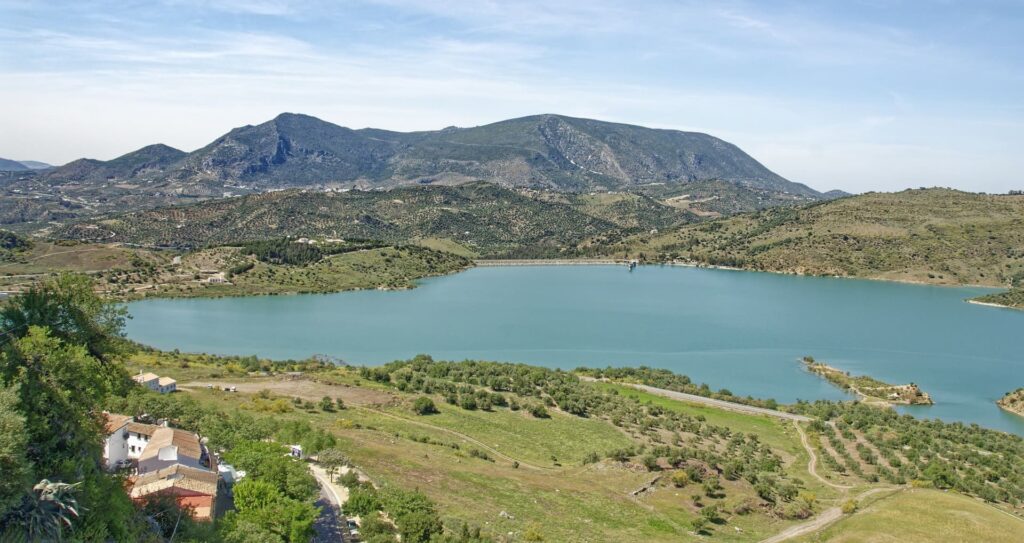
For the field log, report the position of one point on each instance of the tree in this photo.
(326, 404)
(60, 387)
(680, 478)
(419, 526)
(362, 501)
(424, 406)
(13, 464)
(268, 462)
(538, 411)
(332, 460)
(255, 494)
(72, 311)
(263, 504)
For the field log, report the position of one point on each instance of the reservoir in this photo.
(743, 331)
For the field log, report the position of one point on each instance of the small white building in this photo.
(154, 382)
(166, 385)
(149, 380)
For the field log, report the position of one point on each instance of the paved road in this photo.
(721, 404)
(330, 525)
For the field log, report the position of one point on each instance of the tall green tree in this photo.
(71, 310)
(14, 468)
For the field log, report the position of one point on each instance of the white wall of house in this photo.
(136, 443)
(116, 448)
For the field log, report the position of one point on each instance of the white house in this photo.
(148, 380)
(170, 446)
(154, 382)
(139, 435)
(166, 385)
(115, 446)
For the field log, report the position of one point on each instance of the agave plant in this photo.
(50, 509)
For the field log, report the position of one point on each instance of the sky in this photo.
(856, 95)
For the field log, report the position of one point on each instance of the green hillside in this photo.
(932, 235)
(486, 219)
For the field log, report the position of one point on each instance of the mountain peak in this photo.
(547, 150)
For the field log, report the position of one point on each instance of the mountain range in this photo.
(542, 151)
(8, 165)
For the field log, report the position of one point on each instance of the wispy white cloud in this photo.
(795, 87)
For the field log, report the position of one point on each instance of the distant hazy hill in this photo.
(7, 165)
(150, 161)
(482, 217)
(551, 151)
(932, 235)
(35, 164)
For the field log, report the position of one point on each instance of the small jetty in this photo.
(869, 389)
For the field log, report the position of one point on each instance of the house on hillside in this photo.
(115, 444)
(167, 461)
(166, 385)
(148, 380)
(170, 446)
(125, 439)
(154, 382)
(139, 435)
(192, 488)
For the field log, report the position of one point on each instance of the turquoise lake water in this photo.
(739, 330)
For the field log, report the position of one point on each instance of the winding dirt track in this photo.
(819, 522)
(812, 462)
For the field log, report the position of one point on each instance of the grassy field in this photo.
(508, 471)
(924, 516)
(531, 469)
(45, 257)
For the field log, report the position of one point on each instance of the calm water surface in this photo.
(740, 330)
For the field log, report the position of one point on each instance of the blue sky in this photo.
(857, 95)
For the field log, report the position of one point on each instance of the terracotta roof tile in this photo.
(186, 442)
(112, 422)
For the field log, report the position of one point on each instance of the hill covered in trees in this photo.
(483, 218)
(930, 235)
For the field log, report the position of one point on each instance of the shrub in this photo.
(424, 406)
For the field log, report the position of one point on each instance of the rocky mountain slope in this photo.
(548, 152)
(551, 151)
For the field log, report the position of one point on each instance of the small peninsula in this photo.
(1013, 402)
(871, 390)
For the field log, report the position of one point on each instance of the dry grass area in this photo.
(924, 516)
(301, 387)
